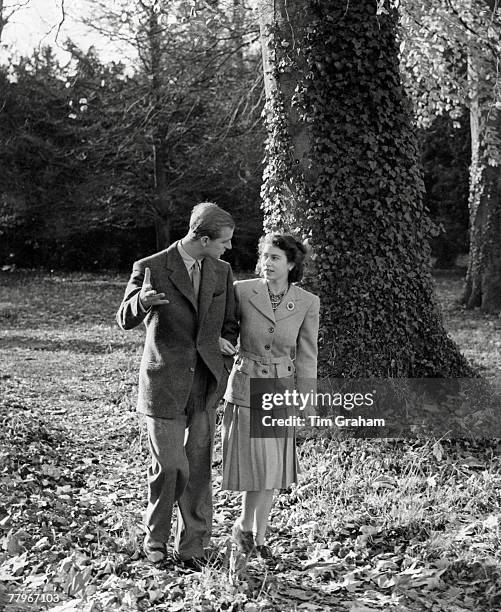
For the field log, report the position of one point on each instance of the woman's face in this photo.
(274, 264)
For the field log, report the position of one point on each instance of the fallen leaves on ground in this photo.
(404, 525)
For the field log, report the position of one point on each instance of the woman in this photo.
(278, 339)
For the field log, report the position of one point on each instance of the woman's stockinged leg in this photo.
(256, 507)
(249, 500)
(262, 514)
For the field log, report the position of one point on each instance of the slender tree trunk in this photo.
(163, 208)
(342, 169)
(3, 20)
(163, 201)
(237, 23)
(483, 278)
(162, 232)
(2, 23)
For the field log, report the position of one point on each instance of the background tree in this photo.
(98, 123)
(7, 10)
(446, 155)
(192, 88)
(452, 53)
(61, 179)
(342, 166)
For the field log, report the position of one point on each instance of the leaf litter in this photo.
(404, 525)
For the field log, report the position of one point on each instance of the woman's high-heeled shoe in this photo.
(264, 552)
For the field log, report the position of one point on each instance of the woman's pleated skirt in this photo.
(253, 464)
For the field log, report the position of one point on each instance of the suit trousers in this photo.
(181, 470)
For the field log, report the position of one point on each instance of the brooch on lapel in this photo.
(290, 305)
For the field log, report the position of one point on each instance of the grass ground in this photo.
(372, 525)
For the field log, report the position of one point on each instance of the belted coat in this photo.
(278, 344)
(179, 333)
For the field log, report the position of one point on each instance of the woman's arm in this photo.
(306, 358)
(307, 342)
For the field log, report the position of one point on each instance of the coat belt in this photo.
(262, 359)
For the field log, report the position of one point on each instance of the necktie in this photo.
(195, 278)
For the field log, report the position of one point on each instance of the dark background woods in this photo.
(101, 163)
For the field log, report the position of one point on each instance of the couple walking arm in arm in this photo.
(186, 300)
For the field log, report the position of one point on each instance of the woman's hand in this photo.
(226, 347)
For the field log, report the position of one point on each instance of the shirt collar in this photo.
(187, 258)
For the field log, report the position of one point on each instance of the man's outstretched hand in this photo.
(148, 296)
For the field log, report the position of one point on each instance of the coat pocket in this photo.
(238, 387)
(285, 369)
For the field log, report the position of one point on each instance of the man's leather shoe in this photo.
(153, 550)
(194, 564)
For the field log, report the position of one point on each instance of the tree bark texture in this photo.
(342, 171)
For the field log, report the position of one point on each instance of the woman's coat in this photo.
(278, 344)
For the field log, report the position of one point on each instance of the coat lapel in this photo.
(261, 301)
(179, 275)
(289, 305)
(206, 291)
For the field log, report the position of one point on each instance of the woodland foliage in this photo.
(80, 146)
(94, 183)
(451, 53)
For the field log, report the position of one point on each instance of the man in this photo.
(184, 295)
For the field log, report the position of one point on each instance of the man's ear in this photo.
(204, 240)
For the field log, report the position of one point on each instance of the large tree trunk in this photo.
(341, 168)
(483, 279)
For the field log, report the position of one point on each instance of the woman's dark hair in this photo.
(294, 250)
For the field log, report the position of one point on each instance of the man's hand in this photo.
(148, 296)
(226, 347)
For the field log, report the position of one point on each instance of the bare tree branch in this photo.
(63, 17)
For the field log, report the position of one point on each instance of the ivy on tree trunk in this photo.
(342, 169)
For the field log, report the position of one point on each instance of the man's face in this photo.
(217, 246)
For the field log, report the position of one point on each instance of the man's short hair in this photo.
(207, 219)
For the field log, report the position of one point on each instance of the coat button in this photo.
(192, 369)
(267, 347)
(271, 330)
(289, 368)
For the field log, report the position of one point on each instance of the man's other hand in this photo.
(226, 347)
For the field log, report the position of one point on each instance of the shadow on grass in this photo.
(75, 345)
